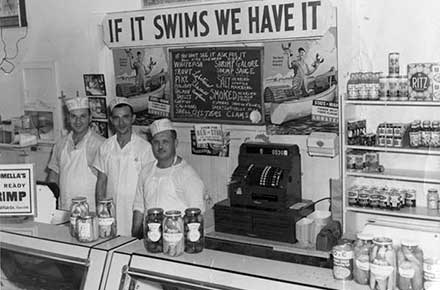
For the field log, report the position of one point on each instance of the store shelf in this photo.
(407, 212)
(400, 174)
(425, 151)
(392, 103)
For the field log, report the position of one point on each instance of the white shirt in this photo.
(188, 185)
(122, 168)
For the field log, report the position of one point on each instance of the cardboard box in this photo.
(424, 81)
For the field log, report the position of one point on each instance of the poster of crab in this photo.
(300, 85)
(142, 76)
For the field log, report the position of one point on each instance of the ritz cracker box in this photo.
(424, 81)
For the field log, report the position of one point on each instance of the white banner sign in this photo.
(208, 134)
(17, 189)
(218, 22)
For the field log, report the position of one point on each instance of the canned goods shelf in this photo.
(407, 212)
(425, 151)
(392, 103)
(400, 174)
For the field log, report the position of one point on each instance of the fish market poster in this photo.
(297, 74)
(17, 189)
(142, 76)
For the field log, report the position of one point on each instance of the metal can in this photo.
(432, 198)
(353, 194)
(173, 232)
(383, 88)
(403, 88)
(364, 199)
(374, 200)
(395, 202)
(343, 261)
(393, 83)
(153, 230)
(393, 64)
(194, 231)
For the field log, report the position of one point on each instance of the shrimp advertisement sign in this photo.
(17, 188)
(217, 22)
(300, 76)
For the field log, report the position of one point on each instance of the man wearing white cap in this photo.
(119, 161)
(169, 182)
(72, 157)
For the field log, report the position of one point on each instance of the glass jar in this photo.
(361, 265)
(410, 199)
(435, 134)
(382, 264)
(88, 229)
(425, 137)
(415, 134)
(410, 266)
(432, 199)
(79, 207)
(106, 213)
(173, 231)
(343, 261)
(194, 232)
(153, 230)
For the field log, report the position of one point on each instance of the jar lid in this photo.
(79, 199)
(155, 210)
(365, 236)
(173, 213)
(192, 211)
(409, 243)
(106, 200)
(382, 241)
(432, 190)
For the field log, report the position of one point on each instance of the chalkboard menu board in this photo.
(218, 85)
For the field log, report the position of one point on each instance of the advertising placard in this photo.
(17, 189)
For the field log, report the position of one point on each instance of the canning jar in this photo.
(425, 137)
(382, 264)
(153, 230)
(106, 213)
(410, 266)
(173, 241)
(432, 199)
(194, 232)
(79, 207)
(88, 230)
(435, 134)
(415, 134)
(361, 265)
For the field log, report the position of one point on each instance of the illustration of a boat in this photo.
(141, 102)
(284, 106)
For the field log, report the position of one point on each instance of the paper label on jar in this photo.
(172, 238)
(73, 220)
(106, 221)
(381, 271)
(362, 263)
(84, 231)
(431, 272)
(193, 232)
(406, 272)
(154, 232)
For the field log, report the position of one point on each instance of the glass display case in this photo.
(44, 256)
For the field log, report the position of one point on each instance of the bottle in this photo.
(106, 218)
(78, 208)
(425, 137)
(194, 232)
(153, 230)
(435, 134)
(415, 134)
(173, 231)
(382, 264)
(410, 266)
(361, 265)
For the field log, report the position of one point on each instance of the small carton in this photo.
(424, 81)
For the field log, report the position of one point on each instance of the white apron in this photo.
(76, 178)
(124, 168)
(162, 191)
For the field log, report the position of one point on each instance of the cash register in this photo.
(264, 194)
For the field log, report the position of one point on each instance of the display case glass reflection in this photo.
(21, 270)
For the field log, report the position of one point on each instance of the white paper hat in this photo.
(118, 101)
(77, 103)
(160, 126)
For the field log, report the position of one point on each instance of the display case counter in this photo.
(45, 256)
(133, 266)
